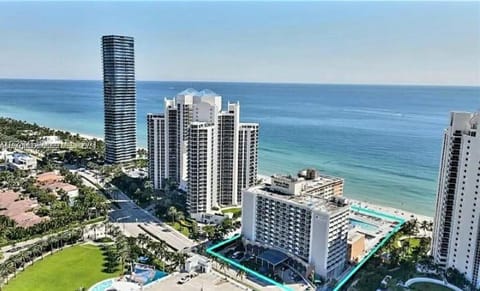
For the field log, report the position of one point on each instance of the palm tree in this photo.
(51, 242)
(94, 228)
(179, 259)
(3, 274)
(424, 226)
(240, 274)
(172, 212)
(180, 216)
(222, 265)
(122, 250)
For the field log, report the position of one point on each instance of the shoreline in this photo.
(84, 135)
(407, 215)
(387, 209)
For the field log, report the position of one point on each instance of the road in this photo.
(130, 216)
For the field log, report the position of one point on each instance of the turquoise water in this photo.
(384, 140)
(363, 225)
(102, 286)
(158, 275)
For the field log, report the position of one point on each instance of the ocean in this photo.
(384, 140)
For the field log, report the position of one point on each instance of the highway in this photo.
(130, 216)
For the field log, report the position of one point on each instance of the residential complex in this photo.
(206, 150)
(456, 236)
(304, 217)
(21, 161)
(119, 98)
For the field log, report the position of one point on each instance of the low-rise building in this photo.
(211, 218)
(51, 141)
(20, 210)
(198, 263)
(297, 218)
(56, 187)
(49, 177)
(21, 161)
(356, 246)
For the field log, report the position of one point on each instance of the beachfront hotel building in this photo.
(204, 149)
(456, 234)
(119, 98)
(304, 217)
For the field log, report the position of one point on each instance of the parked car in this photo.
(183, 280)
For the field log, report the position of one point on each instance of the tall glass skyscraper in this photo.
(119, 98)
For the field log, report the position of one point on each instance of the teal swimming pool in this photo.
(364, 225)
(102, 286)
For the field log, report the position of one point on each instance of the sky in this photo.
(323, 42)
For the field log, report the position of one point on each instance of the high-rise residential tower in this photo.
(156, 148)
(119, 98)
(231, 152)
(202, 168)
(227, 171)
(247, 157)
(456, 234)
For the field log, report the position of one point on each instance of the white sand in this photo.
(393, 211)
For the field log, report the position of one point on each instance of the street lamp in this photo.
(120, 218)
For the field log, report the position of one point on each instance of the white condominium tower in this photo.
(456, 236)
(202, 168)
(156, 147)
(228, 132)
(304, 217)
(212, 173)
(247, 157)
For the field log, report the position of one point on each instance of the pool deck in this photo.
(212, 281)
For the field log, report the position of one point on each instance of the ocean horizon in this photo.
(384, 140)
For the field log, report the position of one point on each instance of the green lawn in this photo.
(69, 269)
(429, 287)
(183, 229)
(235, 211)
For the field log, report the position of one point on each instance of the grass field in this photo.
(235, 211)
(183, 229)
(429, 287)
(69, 269)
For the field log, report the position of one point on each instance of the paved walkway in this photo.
(432, 281)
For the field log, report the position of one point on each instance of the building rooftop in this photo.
(306, 182)
(49, 177)
(354, 236)
(19, 210)
(60, 185)
(312, 202)
(20, 155)
(274, 257)
(193, 92)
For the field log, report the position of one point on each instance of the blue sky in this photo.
(327, 42)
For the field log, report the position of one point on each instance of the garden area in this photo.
(236, 212)
(74, 267)
(399, 259)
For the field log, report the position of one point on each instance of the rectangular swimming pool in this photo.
(364, 225)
